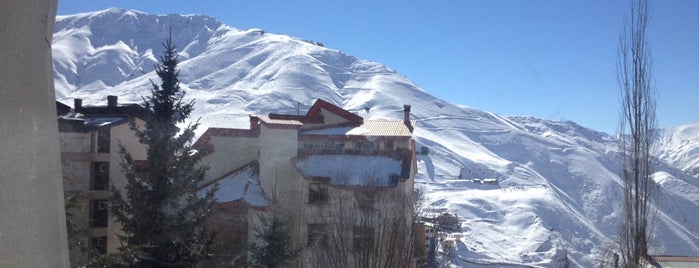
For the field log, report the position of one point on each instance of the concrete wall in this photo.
(77, 157)
(277, 172)
(278, 175)
(121, 134)
(32, 227)
(330, 118)
(75, 142)
(229, 153)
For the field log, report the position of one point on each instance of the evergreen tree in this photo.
(276, 250)
(160, 210)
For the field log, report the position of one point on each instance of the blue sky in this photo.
(550, 59)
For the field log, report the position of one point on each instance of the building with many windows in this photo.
(90, 137)
(341, 180)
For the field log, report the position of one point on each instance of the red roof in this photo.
(321, 104)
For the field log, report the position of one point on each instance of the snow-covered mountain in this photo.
(558, 192)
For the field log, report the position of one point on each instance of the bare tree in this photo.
(366, 226)
(634, 66)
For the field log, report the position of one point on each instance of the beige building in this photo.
(89, 143)
(321, 168)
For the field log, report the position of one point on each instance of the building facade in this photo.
(339, 178)
(90, 137)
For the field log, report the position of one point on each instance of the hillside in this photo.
(558, 190)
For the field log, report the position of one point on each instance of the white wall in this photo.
(32, 225)
(229, 153)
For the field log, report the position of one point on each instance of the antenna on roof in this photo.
(298, 108)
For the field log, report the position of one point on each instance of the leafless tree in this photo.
(366, 226)
(634, 67)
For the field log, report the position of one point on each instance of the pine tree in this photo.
(276, 250)
(160, 210)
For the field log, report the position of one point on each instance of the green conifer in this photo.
(160, 209)
(276, 250)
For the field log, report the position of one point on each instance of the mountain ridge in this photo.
(557, 181)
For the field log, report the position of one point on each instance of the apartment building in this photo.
(90, 137)
(317, 169)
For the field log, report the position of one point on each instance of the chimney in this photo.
(254, 122)
(77, 105)
(111, 101)
(406, 113)
(406, 116)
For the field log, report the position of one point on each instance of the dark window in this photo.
(141, 169)
(307, 145)
(339, 146)
(363, 238)
(317, 234)
(363, 145)
(99, 213)
(100, 176)
(98, 245)
(103, 140)
(317, 193)
(389, 145)
(365, 199)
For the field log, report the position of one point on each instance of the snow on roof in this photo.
(368, 128)
(243, 184)
(101, 121)
(351, 170)
(278, 122)
(93, 121)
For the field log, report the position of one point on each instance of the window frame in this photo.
(364, 145)
(362, 238)
(318, 193)
(99, 177)
(316, 234)
(99, 213)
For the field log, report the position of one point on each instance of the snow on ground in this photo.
(558, 190)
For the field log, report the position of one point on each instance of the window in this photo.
(324, 145)
(307, 145)
(364, 145)
(100, 176)
(365, 199)
(363, 238)
(98, 245)
(317, 234)
(317, 193)
(99, 213)
(103, 140)
(141, 169)
(389, 145)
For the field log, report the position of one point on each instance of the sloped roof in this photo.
(367, 128)
(322, 104)
(314, 115)
(278, 123)
(242, 184)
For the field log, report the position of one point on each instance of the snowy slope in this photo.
(679, 146)
(558, 190)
